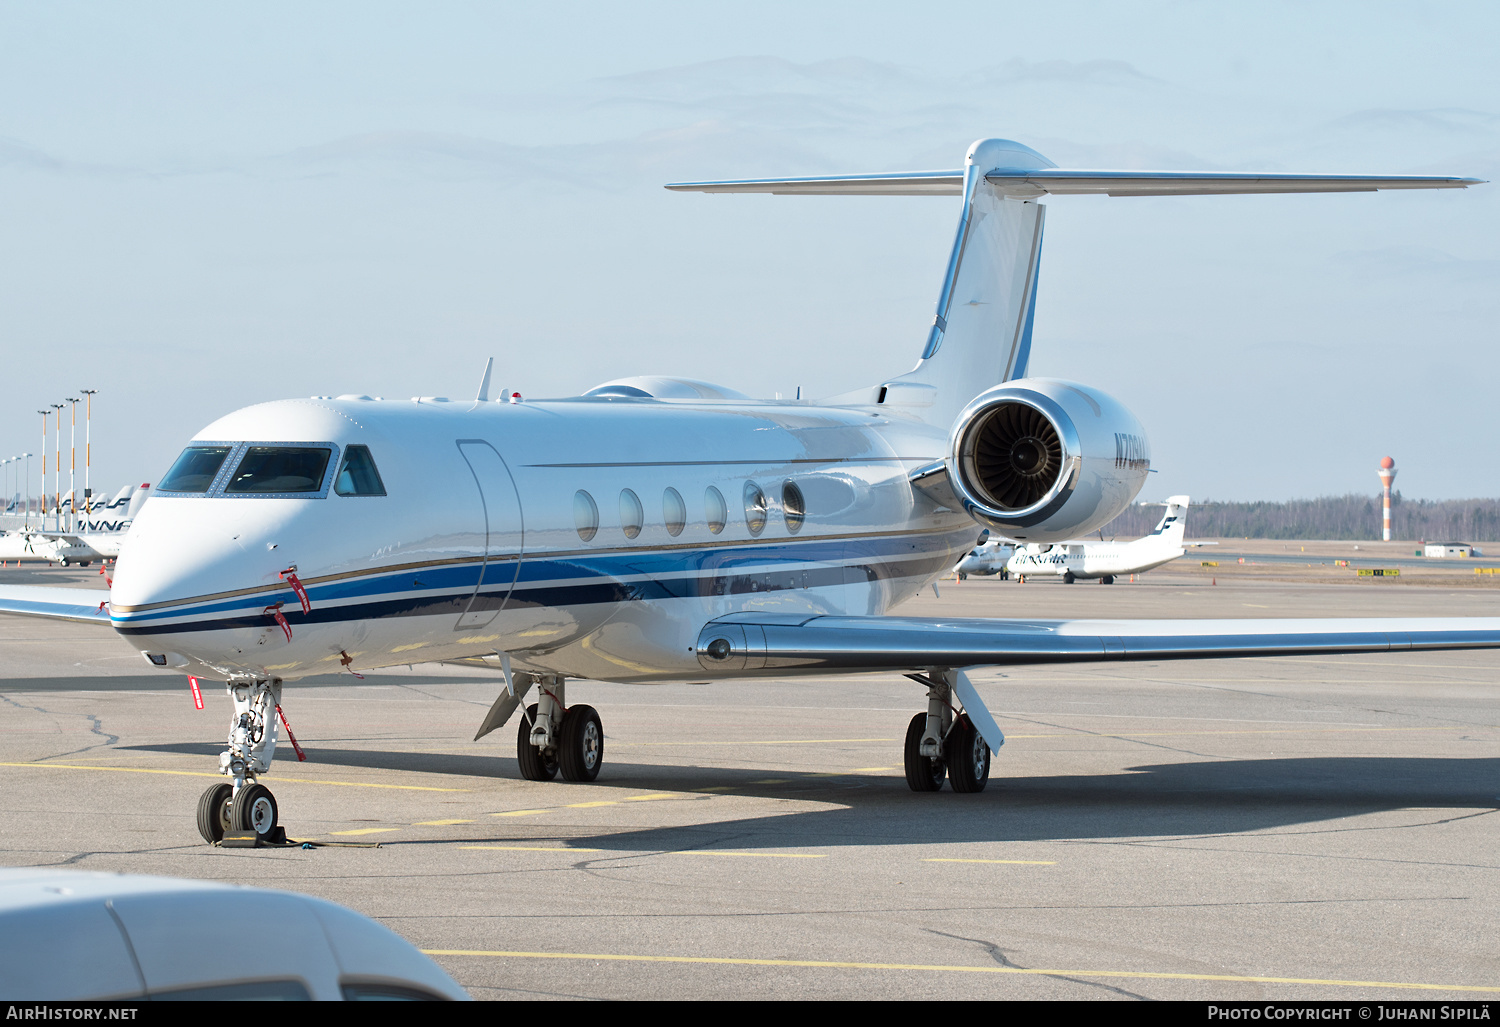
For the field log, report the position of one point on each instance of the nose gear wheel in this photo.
(213, 812)
(254, 809)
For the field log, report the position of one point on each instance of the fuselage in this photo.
(1094, 559)
(589, 537)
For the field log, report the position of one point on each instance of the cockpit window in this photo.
(358, 476)
(195, 469)
(279, 469)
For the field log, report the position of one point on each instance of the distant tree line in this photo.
(1355, 516)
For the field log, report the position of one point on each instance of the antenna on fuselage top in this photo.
(484, 383)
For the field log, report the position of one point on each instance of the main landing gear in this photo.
(242, 805)
(943, 743)
(554, 737)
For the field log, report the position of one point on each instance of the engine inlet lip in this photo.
(962, 457)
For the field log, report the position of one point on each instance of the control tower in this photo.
(1387, 475)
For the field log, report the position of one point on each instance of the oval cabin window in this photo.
(755, 508)
(673, 512)
(793, 507)
(632, 515)
(585, 515)
(716, 512)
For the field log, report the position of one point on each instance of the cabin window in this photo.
(716, 511)
(357, 475)
(755, 508)
(632, 515)
(673, 512)
(277, 470)
(793, 507)
(195, 469)
(585, 515)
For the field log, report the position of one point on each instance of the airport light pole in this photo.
(28, 488)
(56, 468)
(88, 452)
(6, 464)
(72, 402)
(43, 505)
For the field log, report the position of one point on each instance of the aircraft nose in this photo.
(195, 579)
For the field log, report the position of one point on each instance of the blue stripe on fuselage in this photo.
(578, 580)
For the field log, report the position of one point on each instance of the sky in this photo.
(208, 206)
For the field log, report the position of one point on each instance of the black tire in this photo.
(84, 563)
(213, 812)
(968, 757)
(580, 751)
(1108, 579)
(923, 773)
(254, 809)
(1068, 578)
(535, 764)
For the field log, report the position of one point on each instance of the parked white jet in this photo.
(98, 534)
(1108, 560)
(659, 529)
(986, 558)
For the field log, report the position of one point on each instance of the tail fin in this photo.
(1173, 522)
(981, 335)
(137, 500)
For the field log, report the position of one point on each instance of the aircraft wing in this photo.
(773, 643)
(1065, 182)
(1190, 544)
(75, 604)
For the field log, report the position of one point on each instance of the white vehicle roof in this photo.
(74, 935)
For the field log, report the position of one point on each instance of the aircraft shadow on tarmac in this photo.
(1164, 799)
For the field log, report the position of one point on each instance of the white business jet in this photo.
(658, 529)
(1108, 560)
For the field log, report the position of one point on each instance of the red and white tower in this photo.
(1387, 475)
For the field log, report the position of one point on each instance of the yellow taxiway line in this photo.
(1018, 862)
(199, 773)
(822, 964)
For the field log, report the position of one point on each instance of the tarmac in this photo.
(1283, 828)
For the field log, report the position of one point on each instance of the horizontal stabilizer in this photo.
(76, 604)
(905, 183)
(1067, 182)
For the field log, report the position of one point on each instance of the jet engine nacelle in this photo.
(1044, 460)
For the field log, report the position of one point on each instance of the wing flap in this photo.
(773, 643)
(76, 604)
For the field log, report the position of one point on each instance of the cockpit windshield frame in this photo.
(237, 454)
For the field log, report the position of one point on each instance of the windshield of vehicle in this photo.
(195, 469)
(266, 469)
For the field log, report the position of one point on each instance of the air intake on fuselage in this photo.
(1017, 455)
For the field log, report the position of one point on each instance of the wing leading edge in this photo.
(774, 643)
(76, 604)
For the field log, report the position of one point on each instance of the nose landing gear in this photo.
(243, 806)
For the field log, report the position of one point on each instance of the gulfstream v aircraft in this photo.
(658, 529)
